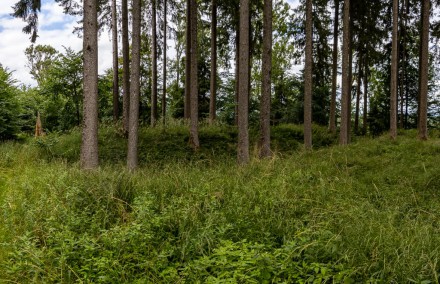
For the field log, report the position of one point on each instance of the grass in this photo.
(368, 212)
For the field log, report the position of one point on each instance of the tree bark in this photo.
(346, 84)
(164, 87)
(308, 77)
(213, 81)
(187, 101)
(115, 63)
(365, 110)
(266, 85)
(194, 87)
(394, 71)
(332, 123)
(154, 64)
(89, 145)
(126, 68)
(237, 71)
(358, 94)
(424, 72)
(244, 78)
(132, 154)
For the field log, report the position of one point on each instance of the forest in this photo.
(231, 141)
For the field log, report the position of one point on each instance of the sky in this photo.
(55, 29)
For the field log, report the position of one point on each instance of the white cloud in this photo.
(55, 29)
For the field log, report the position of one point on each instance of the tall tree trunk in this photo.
(350, 74)
(194, 89)
(132, 153)
(402, 52)
(424, 69)
(187, 101)
(237, 73)
(407, 5)
(77, 100)
(89, 145)
(346, 84)
(213, 81)
(365, 110)
(266, 84)
(115, 63)
(164, 87)
(308, 77)
(358, 94)
(154, 64)
(244, 78)
(394, 71)
(332, 123)
(126, 68)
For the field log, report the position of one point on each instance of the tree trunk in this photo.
(115, 63)
(194, 89)
(332, 123)
(237, 71)
(358, 94)
(77, 100)
(346, 84)
(394, 71)
(187, 101)
(244, 78)
(424, 69)
(213, 83)
(89, 145)
(350, 75)
(164, 88)
(132, 154)
(126, 68)
(266, 84)
(154, 64)
(308, 77)
(365, 110)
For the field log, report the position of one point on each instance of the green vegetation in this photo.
(368, 212)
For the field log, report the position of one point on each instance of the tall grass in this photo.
(368, 212)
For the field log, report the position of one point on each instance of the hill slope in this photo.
(366, 212)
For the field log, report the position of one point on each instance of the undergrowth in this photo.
(368, 212)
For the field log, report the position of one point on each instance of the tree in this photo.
(394, 71)
(28, 10)
(266, 86)
(332, 123)
(244, 79)
(213, 81)
(154, 64)
(187, 101)
(358, 92)
(132, 153)
(9, 107)
(423, 72)
(115, 62)
(63, 91)
(308, 77)
(126, 68)
(89, 145)
(40, 58)
(346, 80)
(164, 83)
(194, 88)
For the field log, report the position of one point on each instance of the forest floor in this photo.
(368, 212)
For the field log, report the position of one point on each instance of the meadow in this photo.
(364, 213)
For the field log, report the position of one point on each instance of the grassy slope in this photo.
(370, 211)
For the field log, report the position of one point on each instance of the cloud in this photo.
(55, 29)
